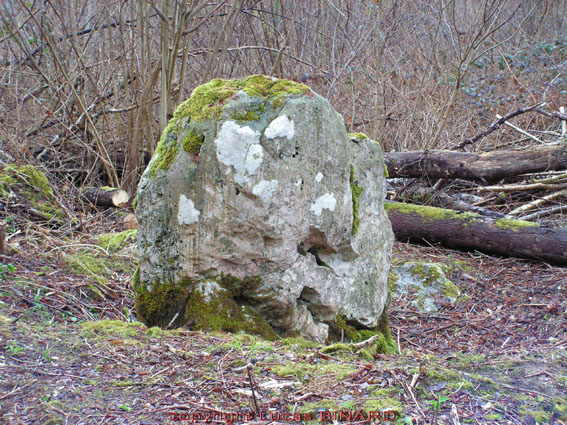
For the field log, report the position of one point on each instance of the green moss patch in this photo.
(208, 100)
(431, 213)
(383, 343)
(193, 141)
(158, 305)
(215, 309)
(356, 192)
(207, 103)
(95, 264)
(26, 184)
(303, 370)
(357, 136)
(514, 225)
(116, 328)
(224, 304)
(166, 149)
(114, 242)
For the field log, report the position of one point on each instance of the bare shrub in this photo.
(88, 85)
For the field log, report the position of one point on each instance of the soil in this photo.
(72, 353)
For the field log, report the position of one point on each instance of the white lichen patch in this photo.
(319, 177)
(265, 190)
(239, 148)
(298, 183)
(187, 214)
(325, 202)
(253, 159)
(209, 288)
(282, 126)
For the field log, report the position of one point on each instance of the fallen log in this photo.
(490, 166)
(471, 231)
(106, 197)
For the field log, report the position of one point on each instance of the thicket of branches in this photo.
(86, 86)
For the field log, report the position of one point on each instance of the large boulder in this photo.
(259, 213)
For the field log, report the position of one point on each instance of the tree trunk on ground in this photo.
(106, 197)
(469, 231)
(489, 166)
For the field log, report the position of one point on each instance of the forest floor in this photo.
(70, 352)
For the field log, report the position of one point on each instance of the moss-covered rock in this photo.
(207, 103)
(425, 282)
(25, 184)
(382, 342)
(237, 187)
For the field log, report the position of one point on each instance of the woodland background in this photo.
(87, 86)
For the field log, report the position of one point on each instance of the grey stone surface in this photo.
(271, 198)
(425, 283)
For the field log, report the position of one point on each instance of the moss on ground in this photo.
(114, 242)
(316, 371)
(113, 328)
(299, 343)
(90, 262)
(383, 404)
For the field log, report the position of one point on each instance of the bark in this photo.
(488, 166)
(470, 231)
(106, 197)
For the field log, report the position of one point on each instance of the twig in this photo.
(537, 202)
(366, 342)
(563, 126)
(496, 125)
(519, 130)
(253, 392)
(2, 238)
(14, 390)
(520, 187)
(543, 213)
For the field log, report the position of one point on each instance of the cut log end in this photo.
(107, 197)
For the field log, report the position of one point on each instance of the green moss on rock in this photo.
(207, 103)
(193, 141)
(31, 185)
(356, 192)
(246, 116)
(384, 343)
(158, 305)
(223, 304)
(219, 311)
(208, 100)
(357, 136)
(166, 150)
